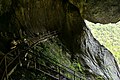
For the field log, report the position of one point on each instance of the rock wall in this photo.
(99, 11)
(96, 58)
(25, 18)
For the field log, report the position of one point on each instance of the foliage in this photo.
(52, 54)
(107, 35)
(56, 51)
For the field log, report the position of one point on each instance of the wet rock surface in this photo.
(100, 61)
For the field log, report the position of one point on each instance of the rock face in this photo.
(102, 11)
(96, 58)
(25, 18)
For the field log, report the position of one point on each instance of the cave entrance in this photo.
(108, 35)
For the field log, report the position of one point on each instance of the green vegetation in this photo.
(56, 51)
(108, 35)
(53, 55)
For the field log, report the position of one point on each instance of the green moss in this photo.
(56, 51)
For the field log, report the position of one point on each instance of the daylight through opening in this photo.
(108, 35)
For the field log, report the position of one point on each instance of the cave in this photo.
(49, 40)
